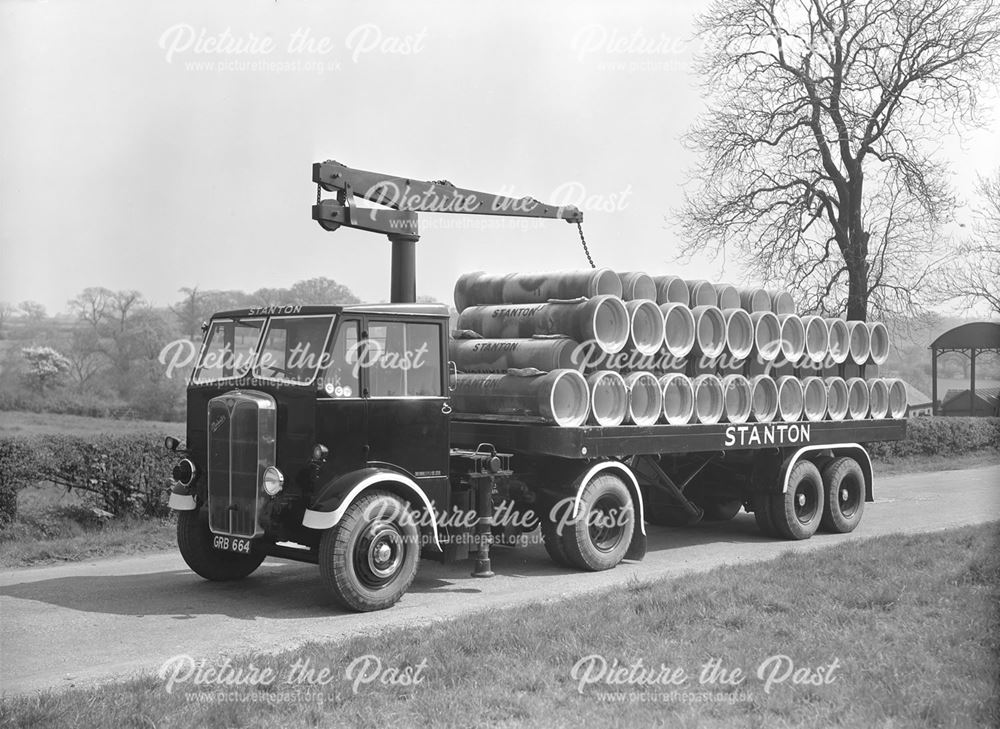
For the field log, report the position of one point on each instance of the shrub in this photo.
(942, 436)
(17, 464)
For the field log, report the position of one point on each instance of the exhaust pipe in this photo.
(755, 300)
(727, 296)
(857, 398)
(878, 398)
(485, 289)
(793, 337)
(879, 339)
(645, 326)
(840, 340)
(837, 398)
(817, 338)
(860, 342)
(790, 398)
(637, 285)
(738, 397)
(645, 398)
(701, 293)
(608, 398)
(710, 331)
(561, 397)
(739, 332)
(897, 399)
(601, 319)
(678, 329)
(709, 399)
(764, 398)
(678, 398)
(782, 302)
(500, 355)
(671, 290)
(766, 335)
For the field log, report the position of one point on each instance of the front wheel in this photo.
(194, 539)
(369, 559)
(598, 538)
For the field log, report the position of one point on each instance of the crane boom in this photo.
(402, 199)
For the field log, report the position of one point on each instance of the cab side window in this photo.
(404, 359)
(342, 375)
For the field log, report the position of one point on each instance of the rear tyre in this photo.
(761, 504)
(844, 495)
(796, 514)
(369, 559)
(600, 535)
(194, 539)
(553, 544)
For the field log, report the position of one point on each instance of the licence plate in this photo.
(231, 544)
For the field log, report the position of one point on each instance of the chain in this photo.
(319, 191)
(583, 241)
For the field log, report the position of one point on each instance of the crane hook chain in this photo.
(583, 242)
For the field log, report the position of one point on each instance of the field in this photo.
(829, 638)
(22, 423)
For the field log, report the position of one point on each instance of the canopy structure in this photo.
(969, 340)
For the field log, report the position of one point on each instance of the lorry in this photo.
(326, 434)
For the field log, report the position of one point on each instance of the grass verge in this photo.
(927, 464)
(891, 632)
(17, 422)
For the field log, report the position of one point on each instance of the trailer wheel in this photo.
(844, 491)
(369, 559)
(553, 544)
(796, 514)
(194, 539)
(761, 504)
(600, 535)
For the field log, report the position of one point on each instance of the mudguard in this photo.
(854, 450)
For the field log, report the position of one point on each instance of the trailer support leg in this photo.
(484, 510)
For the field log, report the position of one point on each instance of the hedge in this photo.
(123, 474)
(942, 436)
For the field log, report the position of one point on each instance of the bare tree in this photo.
(975, 276)
(816, 161)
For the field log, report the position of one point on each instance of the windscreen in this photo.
(229, 349)
(292, 349)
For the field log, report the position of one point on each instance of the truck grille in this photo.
(241, 444)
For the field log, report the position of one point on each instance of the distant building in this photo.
(917, 403)
(957, 402)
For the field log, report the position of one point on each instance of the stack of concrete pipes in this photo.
(610, 348)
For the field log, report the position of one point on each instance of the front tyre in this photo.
(600, 535)
(369, 559)
(194, 539)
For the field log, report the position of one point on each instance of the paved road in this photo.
(82, 623)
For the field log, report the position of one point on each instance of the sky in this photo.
(154, 146)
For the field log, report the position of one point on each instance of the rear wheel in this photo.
(844, 495)
(761, 504)
(600, 535)
(369, 559)
(553, 544)
(796, 514)
(194, 539)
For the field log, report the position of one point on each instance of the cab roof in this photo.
(310, 310)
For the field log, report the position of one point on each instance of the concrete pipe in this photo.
(878, 337)
(793, 337)
(709, 399)
(837, 398)
(857, 398)
(671, 290)
(561, 397)
(645, 399)
(860, 342)
(645, 326)
(739, 333)
(782, 302)
(678, 398)
(840, 340)
(603, 320)
(500, 355)
(764, 398)
(637, 285)
(737, 398)
(766, 335)
(878, 398)
(678, 329)
(483, 289)
(727, 296)
(755, 300)
(897, 399)
(701, 293)
(817, 338)
(814, 399)
(791, 398)
(608, 398)
(709, 331)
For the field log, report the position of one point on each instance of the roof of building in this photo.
(989, 395)
(915, 396)
(978, 334)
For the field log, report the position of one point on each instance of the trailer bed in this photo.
(591, 441)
